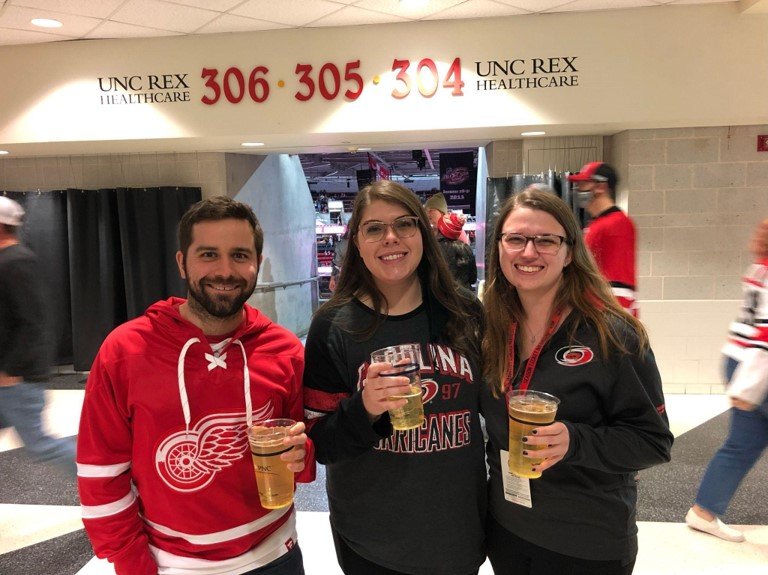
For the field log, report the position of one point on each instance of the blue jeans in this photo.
(746, 441)
(292, 563)
(21, 407)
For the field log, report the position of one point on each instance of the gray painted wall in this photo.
(277, 191)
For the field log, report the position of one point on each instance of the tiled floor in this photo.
(665, 548)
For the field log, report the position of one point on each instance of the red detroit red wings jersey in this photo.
(167, 412)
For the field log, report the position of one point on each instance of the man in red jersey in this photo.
(610, 235)
(166, 480)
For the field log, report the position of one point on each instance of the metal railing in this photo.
(260, 288)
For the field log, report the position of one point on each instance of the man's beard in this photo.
(218, 306)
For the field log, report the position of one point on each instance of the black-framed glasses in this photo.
(548, 244)
(404, 227)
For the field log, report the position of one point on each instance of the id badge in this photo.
(517, 490)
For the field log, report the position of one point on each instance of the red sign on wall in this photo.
(762, 143)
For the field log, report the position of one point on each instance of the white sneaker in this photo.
(714, 527)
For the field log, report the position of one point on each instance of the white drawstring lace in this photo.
(182, 384)
(247, 387)
(213, 362)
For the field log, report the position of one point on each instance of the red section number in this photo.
(233, 85)
(427, 78)
(329, 81)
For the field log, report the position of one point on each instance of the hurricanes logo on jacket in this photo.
(574, 355)
(188, 461)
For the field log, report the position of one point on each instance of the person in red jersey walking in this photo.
(610, 236)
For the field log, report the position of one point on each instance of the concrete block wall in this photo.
(206, 170)
(686, 337)
(695, 195)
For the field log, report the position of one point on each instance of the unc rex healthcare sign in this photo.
(395, 82)
(343, 80)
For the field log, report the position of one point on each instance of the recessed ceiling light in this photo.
(533, 133)
(363, 149)
(252, 144)
(4, 152)
(46, 23)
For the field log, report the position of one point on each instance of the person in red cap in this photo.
(610, 235)
(437, 208)
(460, 257)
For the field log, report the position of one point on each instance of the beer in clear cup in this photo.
(406, 362)
(527, 409)
(273, 478)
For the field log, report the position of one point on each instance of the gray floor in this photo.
(664, 494)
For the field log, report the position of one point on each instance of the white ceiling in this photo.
(90, 19)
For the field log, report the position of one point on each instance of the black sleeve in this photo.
(28, 350)
(636, 434)
(472, 266)
(337, 421)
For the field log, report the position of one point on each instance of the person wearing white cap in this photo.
(25, 344)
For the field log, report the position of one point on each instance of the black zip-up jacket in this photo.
(584, 506)
(25, 340)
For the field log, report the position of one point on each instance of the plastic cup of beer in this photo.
(527, 409)
(406, 362)
(273, 478)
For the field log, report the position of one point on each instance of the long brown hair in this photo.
(582, 288)
(356, 281)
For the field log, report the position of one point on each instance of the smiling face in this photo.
(530, 272)
(220, 268)
(392, 260)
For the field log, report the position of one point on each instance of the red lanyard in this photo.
(554, 320)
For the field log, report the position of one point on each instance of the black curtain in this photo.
(45, 233)
(96, 271)
(122, 251)
(106, 255)
(148, 225)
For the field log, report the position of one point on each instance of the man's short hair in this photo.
(215, 209)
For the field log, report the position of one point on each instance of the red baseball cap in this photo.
(596, 172)
(450, 225)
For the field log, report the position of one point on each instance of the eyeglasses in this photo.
(548, 244)
(404, 227)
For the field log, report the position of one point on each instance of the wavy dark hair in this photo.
(356, 281)
(583, 289)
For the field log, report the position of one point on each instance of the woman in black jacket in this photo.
(552, 325)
